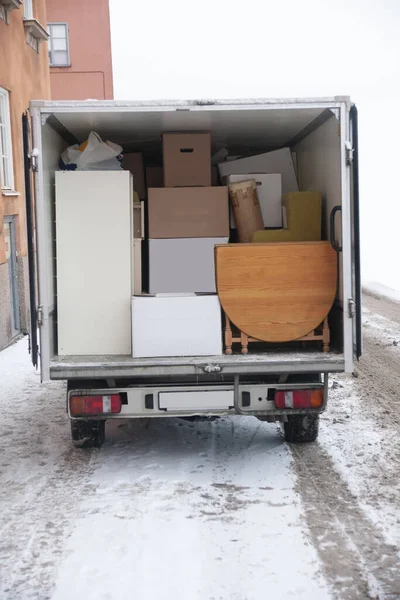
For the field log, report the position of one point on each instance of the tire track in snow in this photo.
(361, 428)
(357, 560)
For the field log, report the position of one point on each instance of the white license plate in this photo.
(190, 401)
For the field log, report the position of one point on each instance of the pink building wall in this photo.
(90, 73)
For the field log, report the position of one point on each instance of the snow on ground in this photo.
(382, 328)
(165, 510)
(210, 510)
(380, 290)
(201, 510)
(360, 429)
(363, 452)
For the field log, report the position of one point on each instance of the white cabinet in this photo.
(95, 261)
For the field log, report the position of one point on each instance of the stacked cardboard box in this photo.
(187, 159)
(184, 226)
(186, 219)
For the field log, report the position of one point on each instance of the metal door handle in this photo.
(335, 244)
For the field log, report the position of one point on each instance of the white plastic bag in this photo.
(97, 155)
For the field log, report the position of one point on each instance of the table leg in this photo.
(228, 336)
(244, 338)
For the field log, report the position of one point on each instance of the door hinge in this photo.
(33, 159)
(39, 315)
(352, 308)
(349, 153)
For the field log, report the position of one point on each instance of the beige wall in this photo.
(90, 73)
(25, 74)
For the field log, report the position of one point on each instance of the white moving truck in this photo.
(78, 284)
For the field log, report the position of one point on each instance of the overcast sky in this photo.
(254, 48)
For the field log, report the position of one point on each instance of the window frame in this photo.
(49, 27)
(28, 10)
(6, 175)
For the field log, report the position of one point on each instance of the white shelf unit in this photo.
(95, 262)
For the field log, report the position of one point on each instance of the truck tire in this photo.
(88, 434)
(301, 428)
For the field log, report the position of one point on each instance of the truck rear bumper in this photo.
(177, 401)
(116, 367)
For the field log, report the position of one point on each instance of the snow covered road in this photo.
(220, 510)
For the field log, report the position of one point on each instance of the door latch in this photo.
(349, 153)
(352, 308)
(33, 158)
(39, 315)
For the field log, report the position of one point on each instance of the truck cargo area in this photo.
(316, 134)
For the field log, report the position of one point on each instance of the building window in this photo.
(58, 45)
(6, 163)
(35, 33)
(28, 9)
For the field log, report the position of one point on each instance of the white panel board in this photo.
(94, 254)
(184, 265)
(278, 161)
(190, 401)
(176, 326)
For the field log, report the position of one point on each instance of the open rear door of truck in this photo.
(355, 206)
(350, 236)
(30, 226)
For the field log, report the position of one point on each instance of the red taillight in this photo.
(81, 406)
(299, 399)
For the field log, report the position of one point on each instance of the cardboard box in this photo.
(176, 326)
(154, 177)
(188, 212)
(269, 191)
(187, 159)
(183, 265)
(278, 161)
(133, 162)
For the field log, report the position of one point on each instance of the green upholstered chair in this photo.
(303, 215)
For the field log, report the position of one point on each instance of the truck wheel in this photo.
(88, 434)
(301, 428)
